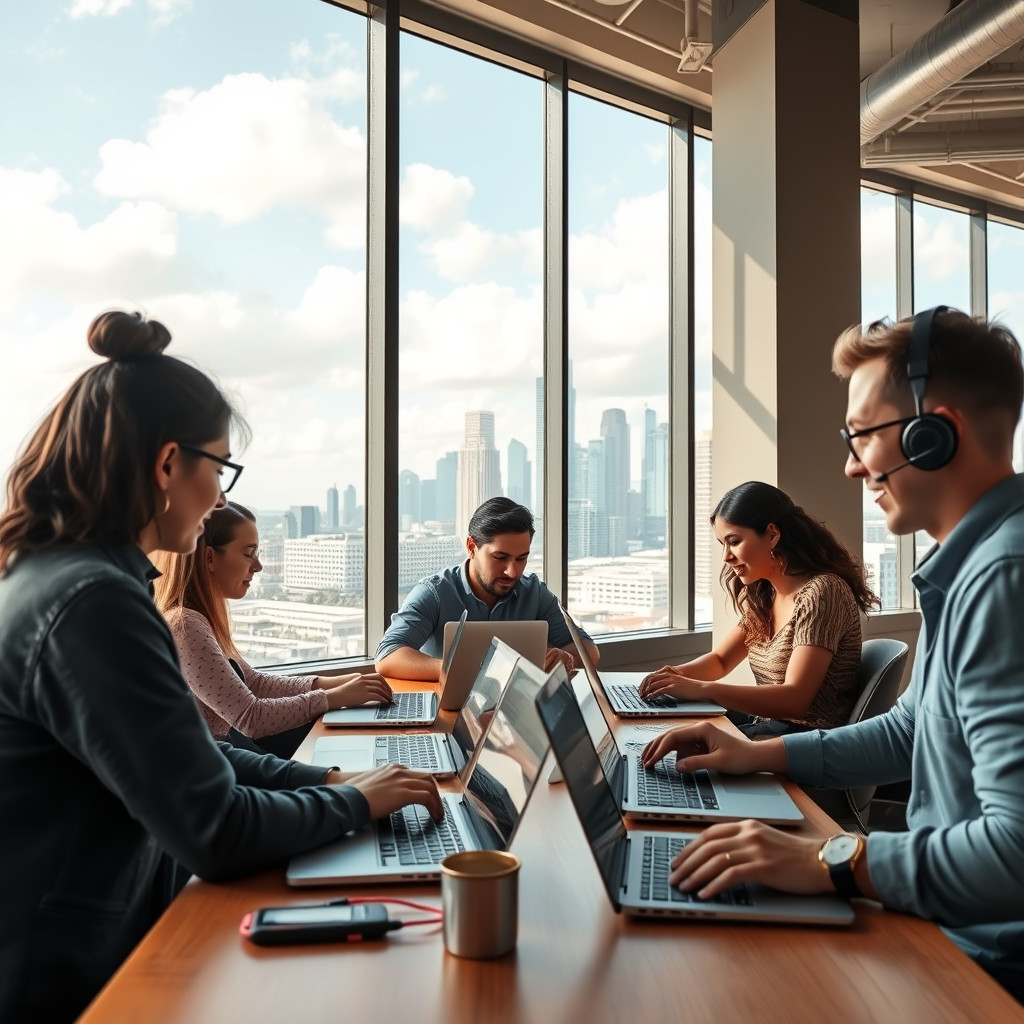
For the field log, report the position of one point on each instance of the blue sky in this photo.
(152, 156)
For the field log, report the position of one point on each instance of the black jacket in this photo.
(108, 774)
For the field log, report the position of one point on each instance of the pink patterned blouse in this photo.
(261, 705)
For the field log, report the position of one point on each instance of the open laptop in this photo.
(623, 689)
(634, 865)
(428, 752)
(409, 846)
(466, 644)
(662, 792)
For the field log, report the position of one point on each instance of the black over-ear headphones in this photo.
(929, 441)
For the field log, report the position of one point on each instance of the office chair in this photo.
(882, 661)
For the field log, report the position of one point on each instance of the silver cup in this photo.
(480, 896)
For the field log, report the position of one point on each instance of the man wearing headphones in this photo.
(933, 404)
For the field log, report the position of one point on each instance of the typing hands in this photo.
(352, 690)
(555, 656)
(749, 851)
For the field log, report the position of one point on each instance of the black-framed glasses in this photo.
(850, 438)
(233, 466)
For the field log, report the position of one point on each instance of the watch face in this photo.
(839, 849)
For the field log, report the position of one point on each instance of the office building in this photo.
(408, 499)
(479, 474)
(518, 488)
(304, 520)
(447, 487)
(348, 508)
(333, 522)
(327, 562)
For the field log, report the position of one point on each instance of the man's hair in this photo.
(499, 515)
(973, 365)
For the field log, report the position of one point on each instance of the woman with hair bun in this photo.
(111, 778)
(799, 594)
(241, 703)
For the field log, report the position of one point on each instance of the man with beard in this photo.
(491, 584)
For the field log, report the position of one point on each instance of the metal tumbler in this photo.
(480, 896)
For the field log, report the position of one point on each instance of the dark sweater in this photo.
(108, 776)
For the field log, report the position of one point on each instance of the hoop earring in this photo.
(167, 505)
(774, 558)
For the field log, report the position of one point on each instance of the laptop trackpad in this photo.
(753, 786)
(349, 753)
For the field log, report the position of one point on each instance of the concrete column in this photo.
(786, 257)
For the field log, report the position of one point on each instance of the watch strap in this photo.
(843, 880)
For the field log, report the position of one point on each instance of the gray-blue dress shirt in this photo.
(441, 598)
(958, 733)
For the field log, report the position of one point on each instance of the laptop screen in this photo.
(584, 778)
(491, 680)
(509, 760)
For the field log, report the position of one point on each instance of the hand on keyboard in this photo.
(670, 682)
(352, 690)
(387, 789)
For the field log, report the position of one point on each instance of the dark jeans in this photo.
(763, 728)
(283, 744)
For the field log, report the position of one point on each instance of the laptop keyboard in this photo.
(658, 854)
(415, 838)
(628, 698)
(403, 705)
(413, 751)
(663, 786)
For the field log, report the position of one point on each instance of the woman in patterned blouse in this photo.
(238, 701)
(799, 594)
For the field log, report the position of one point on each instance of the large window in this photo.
(1006, 294)
(471, 214)
(223, 194)
(879, 300)
(619, 360)
(234, 192)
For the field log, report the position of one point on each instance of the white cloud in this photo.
(431, 198)
(50, 253)
(97, 8)
(163, 11)
(242, 148)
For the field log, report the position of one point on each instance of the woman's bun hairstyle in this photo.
(125, 336)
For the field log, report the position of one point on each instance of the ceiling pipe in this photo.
(944, 148)
(967, 38)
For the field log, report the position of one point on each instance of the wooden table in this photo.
(576, 960)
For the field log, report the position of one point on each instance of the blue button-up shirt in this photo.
(958, 733)
(442, 598)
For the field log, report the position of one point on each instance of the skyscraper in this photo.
(479, 474)
(408, 499)
(518, 473)
(615, 451)
(447, 484)
(654, 482)
(333, 517)
(306, 519)
(348, 507)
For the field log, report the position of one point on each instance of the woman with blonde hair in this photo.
(241, 703)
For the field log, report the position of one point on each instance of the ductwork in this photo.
(968, 37)
(943, 147)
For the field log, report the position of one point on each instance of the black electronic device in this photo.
(284, 926)
(929, 441)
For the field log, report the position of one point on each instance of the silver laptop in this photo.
(466, 644)
(428, 752)
(623, 689)
(662, 792)
(408, 846)
(634, 865)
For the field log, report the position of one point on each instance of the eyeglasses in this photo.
(850, 438)
(237, 469)
(253, 556)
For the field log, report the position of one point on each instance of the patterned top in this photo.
(262, 705)
(825, 614)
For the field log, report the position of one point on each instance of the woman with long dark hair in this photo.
(238, 701)
(111, 779)
(799, 594)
